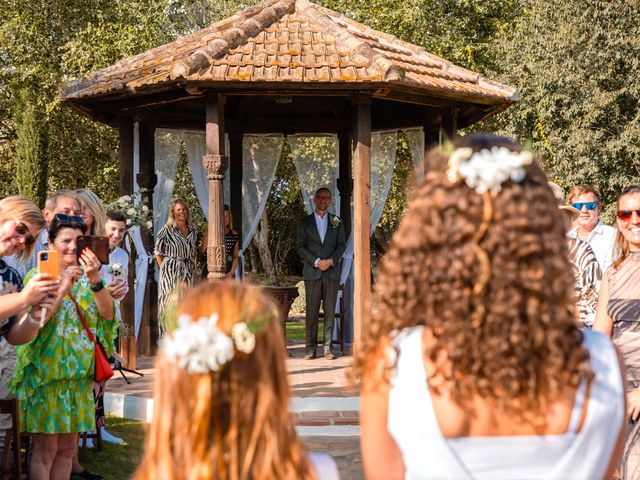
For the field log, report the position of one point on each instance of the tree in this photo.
(31, 152)
(576, 65)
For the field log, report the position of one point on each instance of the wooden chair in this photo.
(96, 436)
(340, 316)
(12, 441)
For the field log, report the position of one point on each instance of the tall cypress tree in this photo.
(31, 146)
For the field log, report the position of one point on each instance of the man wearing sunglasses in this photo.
(589, 227)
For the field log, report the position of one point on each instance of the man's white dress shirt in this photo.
(322, 223)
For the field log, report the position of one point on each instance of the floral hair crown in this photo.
(488, 169)
(200, 346)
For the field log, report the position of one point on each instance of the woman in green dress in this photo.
(54, 372)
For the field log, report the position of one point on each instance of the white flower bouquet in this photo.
(136, 213)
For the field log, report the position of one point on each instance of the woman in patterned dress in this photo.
(176, 253)
(54, 373)
(619, 316)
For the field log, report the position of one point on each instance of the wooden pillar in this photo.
(345, 181)
(431, 140)
(215, 164)
(362, 211)
(127, 339)
(235, 173)
(450, 123)
(147, 179)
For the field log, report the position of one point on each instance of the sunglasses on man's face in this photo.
(23, 231)
(589, 205)
(625, 215)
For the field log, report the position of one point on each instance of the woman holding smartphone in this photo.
(54, 373)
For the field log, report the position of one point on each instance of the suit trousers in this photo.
(325, 290)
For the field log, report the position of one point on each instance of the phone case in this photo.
(100, 247)
(49, 262)
(82, 242)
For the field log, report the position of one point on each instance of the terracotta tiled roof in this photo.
(291, 41)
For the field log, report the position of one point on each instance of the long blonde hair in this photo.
(24, 210)
(233, 423)
(92, 202)
(171, 221)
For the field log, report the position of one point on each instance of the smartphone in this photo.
(49, 262)
(117, 274)
(98, 245)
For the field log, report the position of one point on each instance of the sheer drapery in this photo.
(167, 152)
(260, 155)
(415, 138)
(316, 160)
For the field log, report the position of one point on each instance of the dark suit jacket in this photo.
(310, 247)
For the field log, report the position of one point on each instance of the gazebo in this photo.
(284, 66)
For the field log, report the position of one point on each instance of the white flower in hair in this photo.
(487, 170)
(198, 346)
(244, 339)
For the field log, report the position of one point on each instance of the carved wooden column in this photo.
(127, 339)
(147, 179)
(362, 214)
(215, 164)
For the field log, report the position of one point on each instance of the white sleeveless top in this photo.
(427, 454)
(324, 465)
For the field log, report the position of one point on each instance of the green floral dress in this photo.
(54, 372)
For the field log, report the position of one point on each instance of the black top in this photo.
(230, 240)
(10, 282)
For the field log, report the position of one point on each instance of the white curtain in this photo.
(415, 138)
(260, 155)
(316, 161)
(167, 152)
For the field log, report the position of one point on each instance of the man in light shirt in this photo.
(589, 227)
(320, 241)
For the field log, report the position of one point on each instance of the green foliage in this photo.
(576, 65)
(31, 152)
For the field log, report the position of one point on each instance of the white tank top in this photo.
(427, 454)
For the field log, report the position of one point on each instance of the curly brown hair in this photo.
(491, 279)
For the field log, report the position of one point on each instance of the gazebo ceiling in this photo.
(283, 48)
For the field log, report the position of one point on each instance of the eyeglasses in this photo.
(625, 215)
(589, 205)
(22, 230)
(72, 221)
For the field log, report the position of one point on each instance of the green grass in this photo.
(117, 462)
(295, 331)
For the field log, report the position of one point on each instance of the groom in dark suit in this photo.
(320, 242)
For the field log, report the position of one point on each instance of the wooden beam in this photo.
(147, 179)
(345, 180)
(235, 173)
(362, 212)
(215, 164)
(127, 339)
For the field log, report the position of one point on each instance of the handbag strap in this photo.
(75, 304)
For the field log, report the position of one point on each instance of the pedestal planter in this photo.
(283, 297)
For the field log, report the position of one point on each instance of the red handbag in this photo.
(102, 370)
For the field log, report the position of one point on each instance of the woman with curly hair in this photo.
(474, 366)
(221, 399)
(618, 316)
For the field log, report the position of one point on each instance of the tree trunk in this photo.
(262, 241)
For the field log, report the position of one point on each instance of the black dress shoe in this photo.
(310, 354)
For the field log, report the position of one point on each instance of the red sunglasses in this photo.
(625, 215)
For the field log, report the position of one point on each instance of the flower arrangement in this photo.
(136, 213)
(487, 170)
(334, 220)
